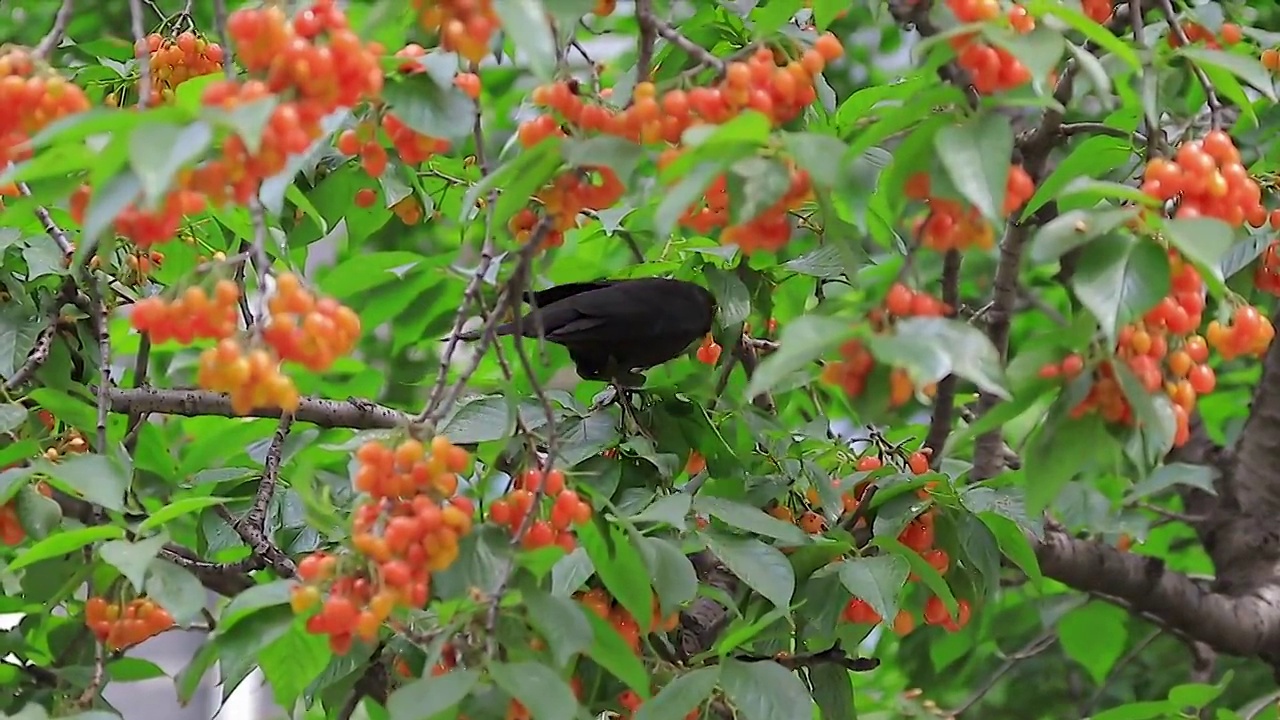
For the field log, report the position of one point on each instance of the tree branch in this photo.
(351, 413)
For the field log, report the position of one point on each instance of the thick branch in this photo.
(351, 413)
(1256, 479)
(1248, 625)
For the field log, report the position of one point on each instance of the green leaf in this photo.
(824, 11)
(621, 568)
(674, 578)
(750, 518)
(877, 581)
(247, 121)
(187, 682)
(1168, 475)
(1094, 636)
(1205, 242)
(732, 296)
(825, 262)
(822, 156)
(1139, 711)
(38, 514)
(833, 691)
(1073, 229)
(537, 687)
(97, 478)
(426, 107)
(762, 567)
(931, 348)
(251, 601)
(1120, 279)
(764, 690)
(526, 22)
(683, 195)
(619, 154)
(1013, 543)
(561, 623)
(62, 543)
(1040, 50)
(11, 416)
(157, 151)
(1095, 32)
(428, 697)
(681, 695)
(612, 653)
(670, 509)
(177, 590)
(800, 344)
(107, 202)
(132, 558)
(1245, 67)
(177, 509)
(1055, 456)
(755, 184)
(478, 420)
(1194, 695)
(976, 157)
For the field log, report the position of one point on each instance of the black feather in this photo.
(615, 327)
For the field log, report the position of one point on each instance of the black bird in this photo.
(613, 328)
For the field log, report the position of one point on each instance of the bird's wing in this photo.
(543, 298)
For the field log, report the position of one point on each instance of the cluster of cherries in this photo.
(570, 194)
(991, 68)
(1208, 180)
(194, 315)
(918, 535)
(314, 64)
(173, 61)
(31, 99)
(465, 26)
(566, 509)
(780, 89)
(250, 376)
(408, 526)
(770, 230)
(1230, 34)
(856, 362)
(1165, 352)
(598, 601)
(119, 625)
(311, 331)
(954, 225)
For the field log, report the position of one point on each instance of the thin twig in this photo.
(646, 40)
(1210, 95)
(37, 357)
(436, 404)
(50, 227)
(102, 327)
(140, 52)
(220, 32)
(945, 399)
(1045, 641)
(50, 41)
(645, 16)
(95, 681)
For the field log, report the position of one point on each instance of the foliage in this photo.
(1035, 266)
